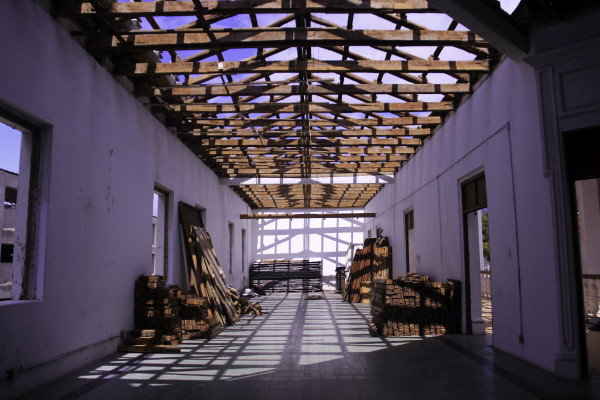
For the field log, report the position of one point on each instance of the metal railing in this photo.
(486, 284)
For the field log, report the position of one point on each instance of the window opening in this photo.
(478, 274)
(160, 203)
(231, 231)
(243, 249)
(20, 147)
(409, 235)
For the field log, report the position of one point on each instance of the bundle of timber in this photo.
(155, 308)
(373, 261)
(287, 276)
(243, 303)
(197, 321)
(412, 305)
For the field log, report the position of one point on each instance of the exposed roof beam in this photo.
(181, 8)
(311, 108)
(334, 133)
(346, 179)
(277, 37)
(266, 90)
(486, 18)
(297, 66)
(318, 122)
(322, 215)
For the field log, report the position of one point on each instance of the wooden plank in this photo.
(312, 107)
(298, 66)
(237, 38)
(225, 122)
(334, 133)
(305, 142)
(321, 89)
(182, 8)
(329, 150)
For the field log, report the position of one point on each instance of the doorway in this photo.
(583, 169)
(478, 274)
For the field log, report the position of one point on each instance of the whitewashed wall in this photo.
(105, 154)
(495, 131)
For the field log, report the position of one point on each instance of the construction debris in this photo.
(286, 276)
(413, 306)
(243, 303)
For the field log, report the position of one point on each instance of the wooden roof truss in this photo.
(290, 89)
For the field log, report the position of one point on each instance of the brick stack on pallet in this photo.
(414, 306)
(373, 261)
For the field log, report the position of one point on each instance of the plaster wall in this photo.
(102, 157)
(317, 239)
(495, 131)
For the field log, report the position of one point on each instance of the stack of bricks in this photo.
(414, 306)
(156, 308)
(197, 321)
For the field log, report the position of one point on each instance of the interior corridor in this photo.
(316, 349)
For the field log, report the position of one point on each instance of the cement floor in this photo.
(317, 349)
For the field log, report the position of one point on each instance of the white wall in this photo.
(105, 153)
(495, 131)
(318, 239)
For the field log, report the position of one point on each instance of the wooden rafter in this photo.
(289, 89)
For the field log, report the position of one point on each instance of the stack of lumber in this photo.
(414, 306)
(155, 308)
(373, 261)
(287, 275)
(196, 319)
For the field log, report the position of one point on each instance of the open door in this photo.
(478, 279)
(583, 168)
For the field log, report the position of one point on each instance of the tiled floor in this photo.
(317, 349)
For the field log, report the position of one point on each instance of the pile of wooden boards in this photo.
(164, 316)
(244, 305)
(414, 306)
(287, 275)
(205, 274)
(196, 319)
(155, 308)
(373, 261)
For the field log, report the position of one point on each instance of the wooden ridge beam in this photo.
(217, 151)
(312, 107)
(277, 37)
(234, 7)
(322, 89)
(303, 142)
(297, 66)
(340, 158)
(330, 133)
(305, 215)
(432, 120)
(233, 172)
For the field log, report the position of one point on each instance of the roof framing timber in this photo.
(211, 67)
(186, 8)
(290, 102)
